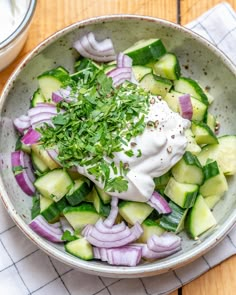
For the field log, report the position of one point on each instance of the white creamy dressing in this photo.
(162, 146)
(12, 13)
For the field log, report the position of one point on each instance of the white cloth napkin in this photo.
(24, 269)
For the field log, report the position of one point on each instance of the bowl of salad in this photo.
(118, 147)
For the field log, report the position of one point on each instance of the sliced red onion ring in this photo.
(110, 220)
(159, 203)
(53, 153)
(65, 225)
(64, 94)
(102, 240)
(186, 108)
(25, 177)
(31, 137)
(124, 61)
(126, 256)
(44, 104)
(41, 118)
(149, 254)
(42, 109)
(120, 75)
(101, 227)
(22, 123)
(88, 48)
(45, 230)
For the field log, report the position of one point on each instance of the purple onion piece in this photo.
(159, 203)
(186, 108)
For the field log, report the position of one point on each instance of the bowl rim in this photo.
(22, 25)
(159, 266)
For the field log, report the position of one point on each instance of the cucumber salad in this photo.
(121, 155)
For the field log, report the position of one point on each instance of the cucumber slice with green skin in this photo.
(187, 85)
(224, 153)
(150, 228)
(54, 184)
(80, 248)
(49, 210)
(211, 121)
(188, 170)
(199, 108)
(161, 181)
(43, 155)
(211, 201)
(81, 215)
(106, 199)
(52, 81)
(215, 182)
(38, 164)
(61, 205)
(199, 218)
(156, 85)
(183, 194)
(192, 146)
(22, 147)
(167, 67)
(140, 72)
(102, 209)
(203, 133)
(38, 97)
(145, 51)
(133, 212)
(175, 220)
(35, 210)
(79, 191)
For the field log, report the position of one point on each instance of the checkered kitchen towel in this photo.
(24, 269)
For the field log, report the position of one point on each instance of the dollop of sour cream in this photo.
(12, 13)
(162, 144)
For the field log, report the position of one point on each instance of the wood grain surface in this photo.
(52, 15)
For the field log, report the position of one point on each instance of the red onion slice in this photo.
(42, 109)
(120, 75)
(159, 203)
(123, 61)
(65, 225)
(45, 230)
(32, 136)
(186, 108)
(22, 123)
(53, 153)
(24, 177)
(149, 254)
(109, 222)
(101, 227)
(41, 118)
(88, 47)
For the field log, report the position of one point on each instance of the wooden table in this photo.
(53, 15)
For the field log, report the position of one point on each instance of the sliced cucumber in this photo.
(167, 67)
(211, 121)
(145, 51)
(187, 85)
(203, 133)
(52, 81)
(150, 228)
(199, 218)
(161, 181)
(35, 210)
(188, 170)
(192, 146)
(38, 163)
(140, 72)
(211, 201)
(182, 194)
(37, 97)
(43, 155)
(215, 182)
(102, 209)
(175, 220)
(80, 248)
(156, 85)
(133, 212)
(54, 184)
(199, 108)
(81, 215)
(224, 153)
(48, 209)
(79, 191)
(106, 199)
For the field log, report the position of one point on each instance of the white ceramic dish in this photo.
(198, 58)
(12, 45)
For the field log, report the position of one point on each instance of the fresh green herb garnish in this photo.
(17, 169)
(96, 125)
(67, 236)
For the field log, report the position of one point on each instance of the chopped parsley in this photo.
(98, 124)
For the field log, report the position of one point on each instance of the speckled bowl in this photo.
(198, 58)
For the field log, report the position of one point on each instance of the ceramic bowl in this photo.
(12, 45)
(199, 59)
